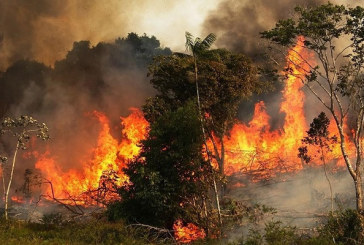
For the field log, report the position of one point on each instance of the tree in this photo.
(219, 84)
(168, 179)
(224, 80)
(22, 129)
(197, 47)
(335, 34)
(318, 135)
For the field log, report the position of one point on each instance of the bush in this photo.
(343, 227)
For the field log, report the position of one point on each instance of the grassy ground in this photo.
(92, 232)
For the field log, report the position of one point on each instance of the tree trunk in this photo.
(358, 184)
(328, 179)
(3, 179)
(355, 174)
(359, 195)
(10, 180)
(205, 142)
(222, 156)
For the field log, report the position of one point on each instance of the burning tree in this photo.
(22, 129)
(169, 178)
(335, 34)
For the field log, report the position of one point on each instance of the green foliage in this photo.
(317, 135)
(340, 227)
(52, 219)
(343, 227)
(224, 80)
(197, 46)
(322, 22)
(84, 66)
(276, 234)
(273, 234)
(168, 173)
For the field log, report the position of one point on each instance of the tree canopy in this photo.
(168, 174)
(224, 79)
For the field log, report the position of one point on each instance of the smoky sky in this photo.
(45, 30)
(237, 24)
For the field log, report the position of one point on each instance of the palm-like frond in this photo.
(208, 41)
(198, 45)
(189, 41)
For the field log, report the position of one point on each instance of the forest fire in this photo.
(255, 148)
(250, 147)
(104, 167)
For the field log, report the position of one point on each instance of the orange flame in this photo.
(187, 233)
(255, 148)
(251, 147)
(107, 159)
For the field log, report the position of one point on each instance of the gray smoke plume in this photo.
(45, 30)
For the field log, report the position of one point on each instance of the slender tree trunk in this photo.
(359, 195)
(3, 179)
(222, 156)
(205, 142)
(328, 179)
(358, 183)
(217, 203)
(10, 180)
(355, 174)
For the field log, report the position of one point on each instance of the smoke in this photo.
(237, 24)
(109, 77)
(299, 199)
(45, 30)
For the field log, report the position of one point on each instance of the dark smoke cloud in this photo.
(44, 30)
(237, 24)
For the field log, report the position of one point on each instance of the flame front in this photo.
(252, 147)
(255, 148)
(106, 160)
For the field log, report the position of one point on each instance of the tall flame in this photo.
(254, 147)
(108, 156)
